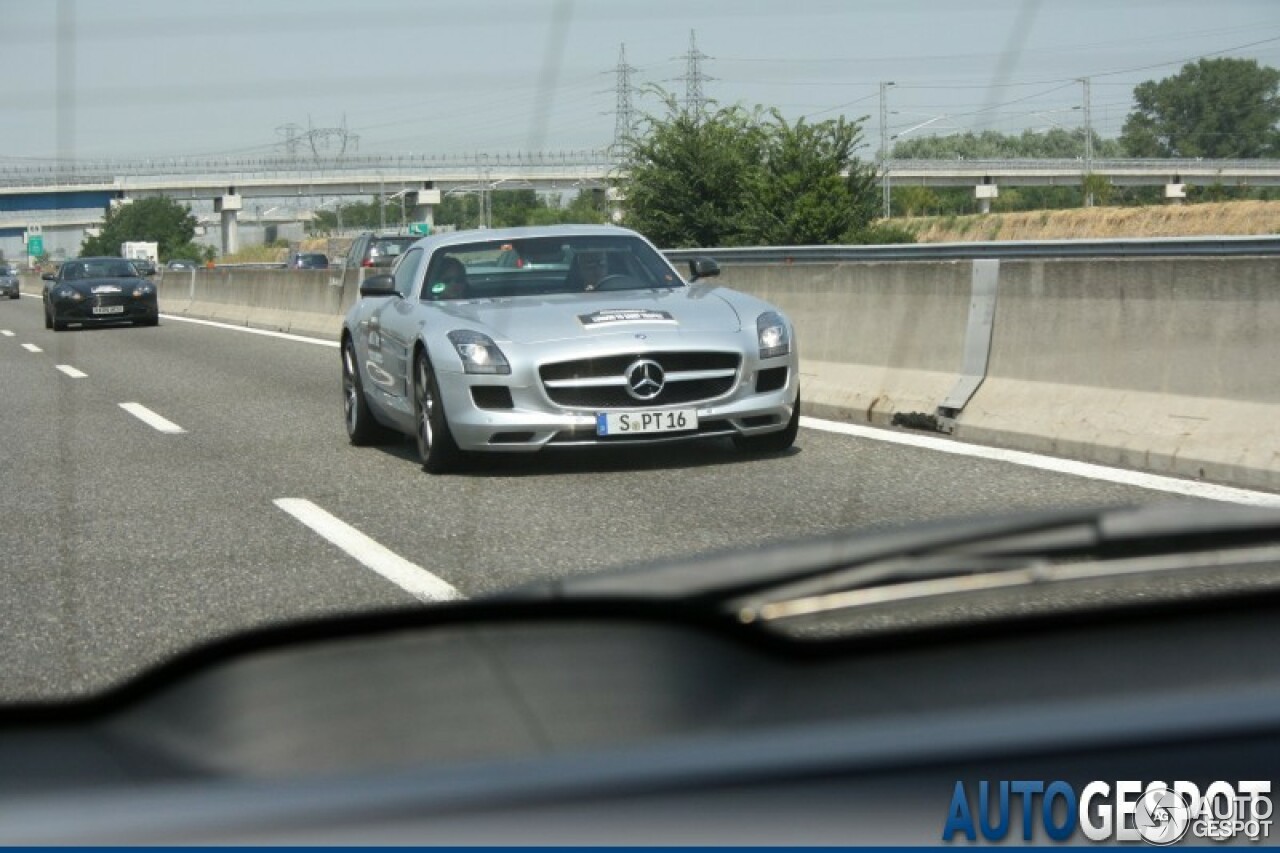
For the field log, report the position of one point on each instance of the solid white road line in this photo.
(71, 371)
(415, 580)
(265, 332)
(150, 418)
(1172, 485)
(31, 348)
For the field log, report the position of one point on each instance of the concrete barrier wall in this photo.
(875, 338)
(1168, 365)
(299, 301)
(1164, 365)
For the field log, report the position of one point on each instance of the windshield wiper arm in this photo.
(934, 550)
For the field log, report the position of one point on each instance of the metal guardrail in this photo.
(1123, 248)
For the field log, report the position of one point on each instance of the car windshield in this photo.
(538, 266)
(107, 268)
(387, 249)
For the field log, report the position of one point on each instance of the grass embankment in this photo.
(1188, 220)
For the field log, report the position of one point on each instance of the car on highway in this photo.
(98, 291)
(371, 253)
(10, 284)
(183, 264)
(308, 261)
(470, 356)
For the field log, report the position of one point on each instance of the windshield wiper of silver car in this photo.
(846, 570)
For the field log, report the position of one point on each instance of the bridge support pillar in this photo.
(229, 206)
(424, 205)
(1175, 193)
(984, 193)
(615, 198)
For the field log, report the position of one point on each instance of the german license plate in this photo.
(631, 423)
(108, 309)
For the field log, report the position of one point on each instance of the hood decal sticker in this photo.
(620, 316)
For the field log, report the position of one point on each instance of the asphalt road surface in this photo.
(126, 540)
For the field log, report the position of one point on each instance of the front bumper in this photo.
(534, 422)
(131, 309)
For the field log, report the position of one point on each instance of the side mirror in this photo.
(48, 277)
(378, 285)
(703, 268)
(148, 272)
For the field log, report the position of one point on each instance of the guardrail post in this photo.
(977, 342)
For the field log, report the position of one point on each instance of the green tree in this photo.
(915, 201)
(1055, 144)
(687, 176)
(731, 177)
(808, 187)
(153, 220)
(370, 215)
(1222, 108)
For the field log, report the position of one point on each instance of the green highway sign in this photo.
(422, 229)
(35, 245)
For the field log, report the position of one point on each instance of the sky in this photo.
(88, 79)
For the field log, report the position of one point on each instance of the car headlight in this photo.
(142, 290)
(479, 353)
(774, 336)
(68, 293)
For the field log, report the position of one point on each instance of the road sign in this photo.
(35, 245)
(422, 229)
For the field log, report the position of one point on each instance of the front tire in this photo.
(772, 442)
(48, 323)
(58, 325)
(436, 447)
(362, 429)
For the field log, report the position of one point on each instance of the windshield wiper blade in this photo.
(932, 550)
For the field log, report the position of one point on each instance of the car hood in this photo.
(571, 316)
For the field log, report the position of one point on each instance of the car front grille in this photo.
(601, 383)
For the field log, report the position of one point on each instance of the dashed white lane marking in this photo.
(31, 348)
(6, 333)
(1172, 485)
(286, 336)
(151, 419)
(71, 371)
(413, 579)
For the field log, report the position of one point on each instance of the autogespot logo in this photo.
(1157, 813)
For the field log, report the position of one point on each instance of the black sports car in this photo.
(98, 290)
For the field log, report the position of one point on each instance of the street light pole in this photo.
(1088, 145)
(884, 148)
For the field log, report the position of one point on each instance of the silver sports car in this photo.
(520, 339)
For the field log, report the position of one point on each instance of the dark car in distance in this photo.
(92, 291)
(308, 261)
(9, 285)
